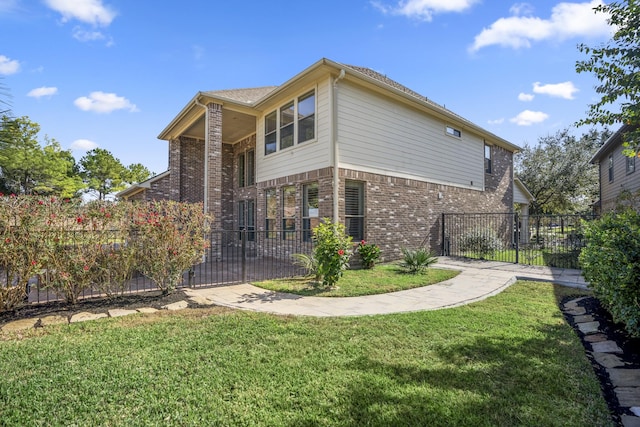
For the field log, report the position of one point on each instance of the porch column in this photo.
(213, 158)
(174, 168)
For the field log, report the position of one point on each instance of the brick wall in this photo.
(191, 170)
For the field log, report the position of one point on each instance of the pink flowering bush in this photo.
(331, 251)
(169, 238)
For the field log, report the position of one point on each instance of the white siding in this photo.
(378, 134)
(310, 155)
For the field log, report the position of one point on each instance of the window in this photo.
(291, 123)
(306, 116)
(286, 125)
(631, 165)
(487, 158)
(610, 167)
(251, 167)
(246, 219)
(310, 217)
(288, 212)
(354, 209)
(453, 132)
(271, 210)
(241, 170)
(270, 133)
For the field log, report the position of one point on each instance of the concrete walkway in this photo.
(476, 281)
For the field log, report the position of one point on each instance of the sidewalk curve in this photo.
(477, 280)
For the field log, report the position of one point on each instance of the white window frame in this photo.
(296, 122)
(452, 132)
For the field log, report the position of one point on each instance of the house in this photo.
(334, 141)
(617, 172)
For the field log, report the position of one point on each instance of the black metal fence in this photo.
(237, 256)
(549, 240)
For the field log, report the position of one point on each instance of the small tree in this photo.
(480, 242)
(331, 251)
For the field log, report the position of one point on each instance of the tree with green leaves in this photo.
(26, 167)
(558, 173)
(616, 65)
(137, 173)
(102, 172)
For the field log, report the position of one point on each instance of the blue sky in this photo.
(113, 73)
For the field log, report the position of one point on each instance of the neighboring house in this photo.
(154, 188)
(617, 172)
(334, 141)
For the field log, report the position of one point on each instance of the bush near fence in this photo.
(71, 247)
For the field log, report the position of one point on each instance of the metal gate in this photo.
(550, 240)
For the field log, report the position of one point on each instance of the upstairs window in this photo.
(610, 167)
(451, 131)
(294, 122)
(631, 165)
(487, 158)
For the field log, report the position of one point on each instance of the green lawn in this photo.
(510, 360)
(378, 280)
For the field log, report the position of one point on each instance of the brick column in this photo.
(174, 167)
(214, 163)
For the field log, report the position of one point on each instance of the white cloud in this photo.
(42, 91)
(496, 121)
(567, 20)
(525, 97)
(8, 66)
(87, 36)
(528, 118)
(101, 102)
(520, 9)
(424, 9)
(88, 11)
(83, 145)
(559, 90)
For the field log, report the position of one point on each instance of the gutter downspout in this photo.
(334, 152)
(206, 155)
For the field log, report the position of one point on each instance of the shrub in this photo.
(169, 239)
(611, 264)
(309, 263)
(369, 252)
(418, 260)
(480, 242)
(331, 251)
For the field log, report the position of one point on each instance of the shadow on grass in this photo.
(488, 381)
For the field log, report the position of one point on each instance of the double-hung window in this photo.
(310, 217)
(294, 122)
(610, 167)
(288, 212)
(271, 211)
(487, 158)
(354, 209)
(631, 165)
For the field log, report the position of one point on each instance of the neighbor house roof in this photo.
(136, 188)
(610, 143)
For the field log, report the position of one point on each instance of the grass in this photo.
(510, 360)
(381, 279)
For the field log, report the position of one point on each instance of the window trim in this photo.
(488, 161)
(277, 131)
(610, 167)
(631, 165)
(241, 170)
(452, 132)
(361, 208)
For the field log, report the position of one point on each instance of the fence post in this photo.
(517, 227)
(243, 234)
(442, 243)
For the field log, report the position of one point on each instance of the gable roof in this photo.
(256, 98)
(136, 188)
(610, 143)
